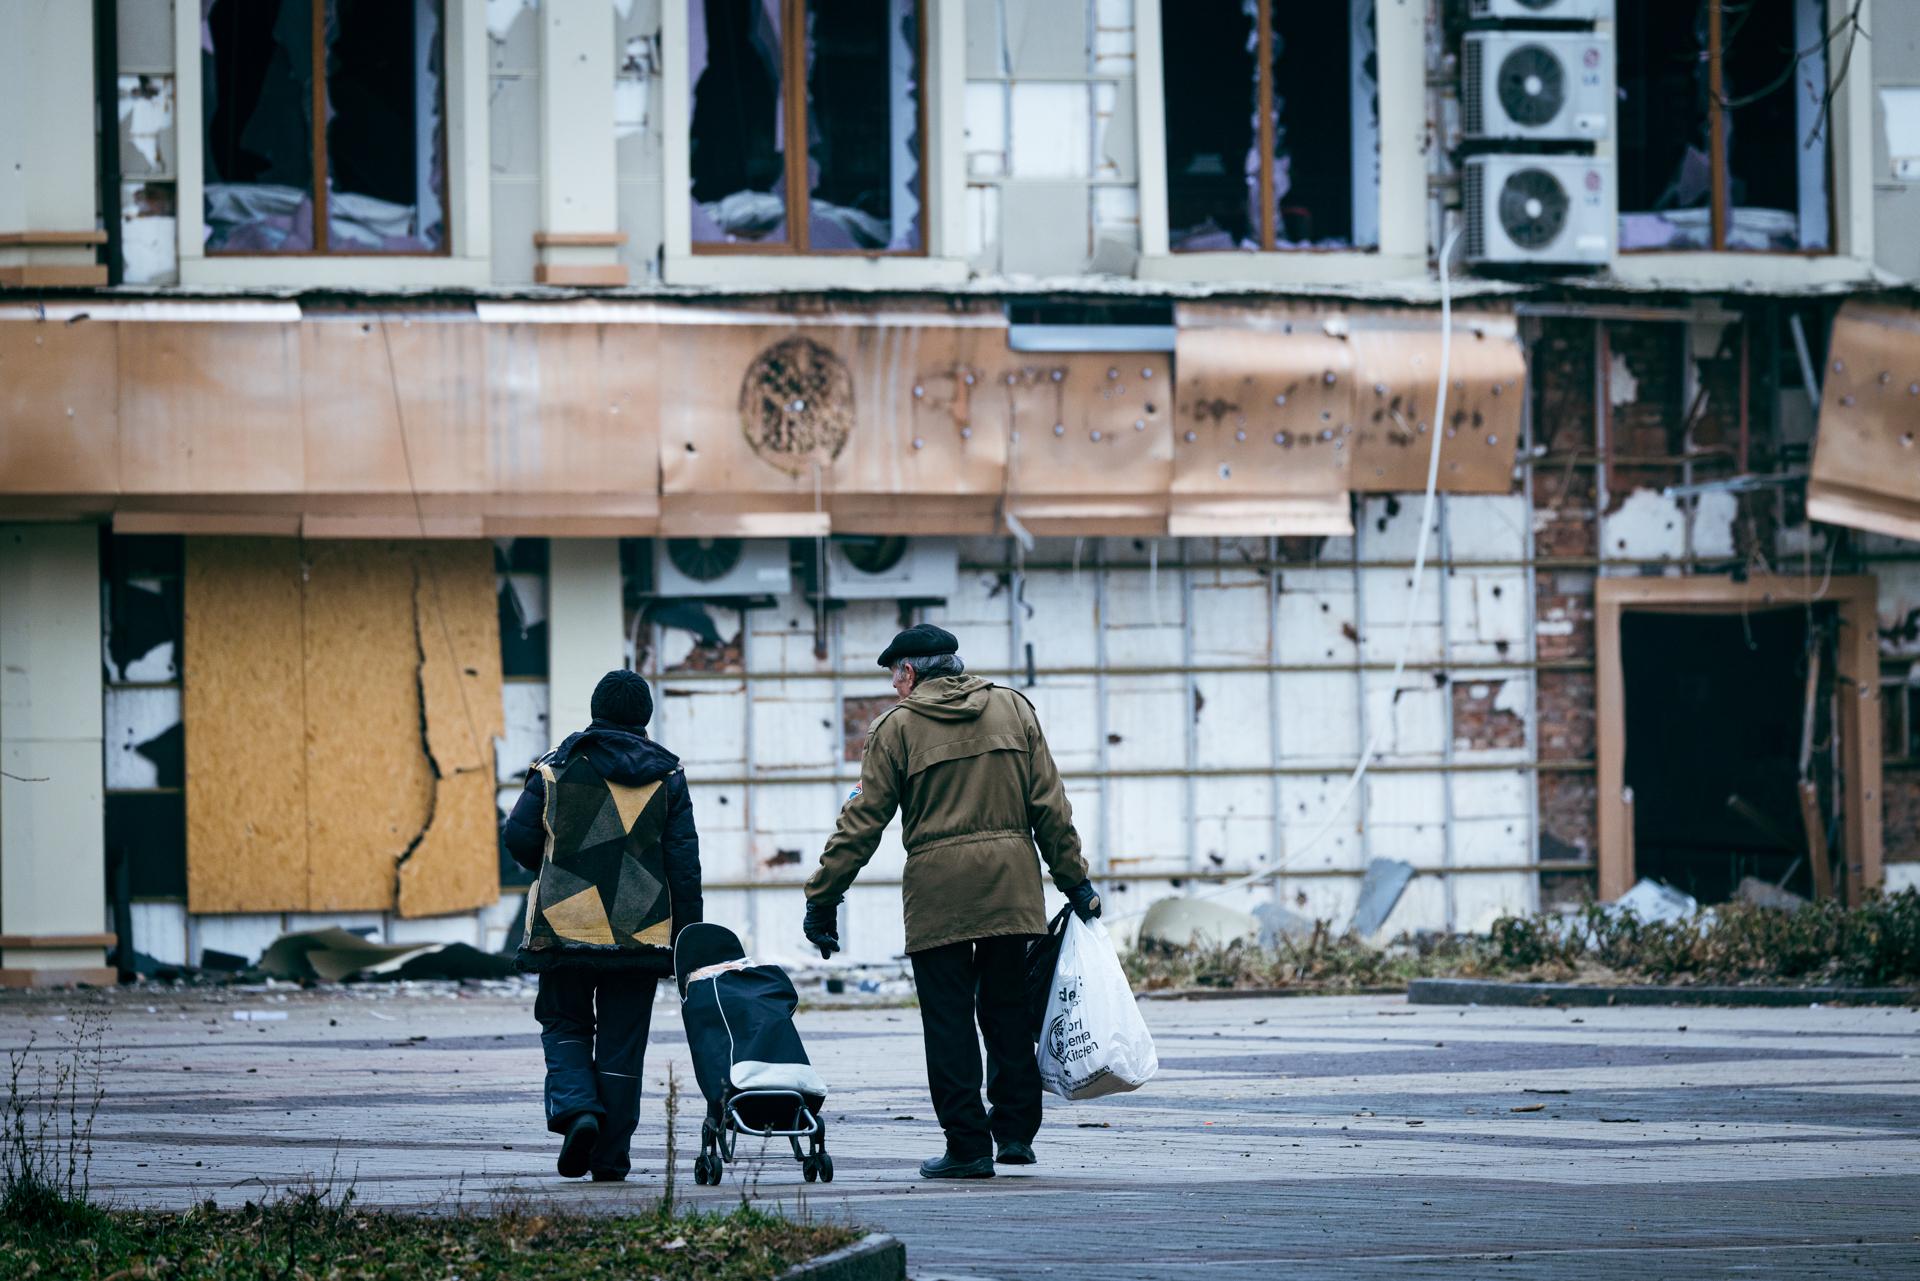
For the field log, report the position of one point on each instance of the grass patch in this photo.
(1874, 945)
(315, 1237)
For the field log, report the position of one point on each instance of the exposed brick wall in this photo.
(856, 715)
(1568, 719)
(1563, 602)
(1480, 726)
(1901, 794)
(1569, 816)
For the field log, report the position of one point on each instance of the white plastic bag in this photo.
(1094, 1041)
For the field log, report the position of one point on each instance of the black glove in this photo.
(823, 927)
(1086, 903)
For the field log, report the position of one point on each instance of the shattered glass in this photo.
(385, 126)
(863, 125)
(256, 60)
(737, 142)
(1773, 77)
(1325, 117)
(386, 139)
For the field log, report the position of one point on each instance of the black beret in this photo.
(922, 640)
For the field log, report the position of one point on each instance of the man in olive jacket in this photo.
(965, 763)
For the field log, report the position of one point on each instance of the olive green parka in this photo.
(965, 763)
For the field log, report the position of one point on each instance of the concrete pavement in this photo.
(1324, 1137)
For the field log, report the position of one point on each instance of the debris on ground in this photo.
(1191, 922)
(1761, 893)
(1384, 881)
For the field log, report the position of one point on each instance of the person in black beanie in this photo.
(607, 825)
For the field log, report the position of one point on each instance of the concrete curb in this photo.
(1259, 993)
(874, 1257)
(1494, 992)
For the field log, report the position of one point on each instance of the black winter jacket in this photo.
(621, 756)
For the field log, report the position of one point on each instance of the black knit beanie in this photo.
(622, 698)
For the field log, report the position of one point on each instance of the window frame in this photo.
(793, 113)
(317, 141)
(1719, 220)
(1850, 200)
(1403, 249)
(941, 258)
(464, 257)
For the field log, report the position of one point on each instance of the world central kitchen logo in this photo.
(1067, 1036)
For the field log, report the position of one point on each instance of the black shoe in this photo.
(1015, 1152)
(609, 1176)
(945, 1167)
(576, 1150)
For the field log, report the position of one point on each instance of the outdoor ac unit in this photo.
(705, 567)
(892, 568)
(1538, 209)
(1554, 10)
(1546, 86)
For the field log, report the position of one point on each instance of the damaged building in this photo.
(375, 376)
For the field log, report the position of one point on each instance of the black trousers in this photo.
(963, 985)
(593, 1028)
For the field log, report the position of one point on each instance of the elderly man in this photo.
(965, 763)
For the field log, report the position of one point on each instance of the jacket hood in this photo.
(618, 755)
(950, 698)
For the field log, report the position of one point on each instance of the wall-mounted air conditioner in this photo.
(1538, 209)
(706, 567)
(892, 568)
(1546, 86)
(1543, 10)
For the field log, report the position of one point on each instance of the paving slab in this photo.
(1328, 1137)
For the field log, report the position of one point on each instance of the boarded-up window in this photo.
(847, 78)
(1273, 125)
(324, 126)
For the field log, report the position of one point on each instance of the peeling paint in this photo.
(1622, 387)
(146, 125)
(633, 85)
(149, 234)
(502, 14)
(1646, 527)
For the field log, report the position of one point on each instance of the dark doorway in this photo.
(1716, 749)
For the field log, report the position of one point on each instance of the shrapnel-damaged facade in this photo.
(383, 373)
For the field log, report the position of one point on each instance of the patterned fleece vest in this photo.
(603, 886)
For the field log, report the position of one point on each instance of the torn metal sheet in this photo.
(1866, 462)
(1397, 364)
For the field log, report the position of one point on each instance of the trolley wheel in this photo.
(809, 1169)
(826, 1168)
(700, 1169)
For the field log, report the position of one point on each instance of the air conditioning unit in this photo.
(892, 568)
(1544, 10)
(1539, 209)
(1545, 86)
(707, 567)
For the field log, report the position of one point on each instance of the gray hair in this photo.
(930, 666)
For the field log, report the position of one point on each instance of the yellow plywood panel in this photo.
(210, 408)
(1866, 458)
(369, 784)
(1398, 366)
(458, 621)
(244, 698)
(59, 408)
(456, 866)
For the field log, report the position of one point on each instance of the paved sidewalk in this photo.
(1335, 1137)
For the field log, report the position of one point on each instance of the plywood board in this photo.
(1866, 457)
(1397, 363)
(458, 621)
(213, 408)
(244, 697)
(369, 784)
(455, 867)
(59, 403)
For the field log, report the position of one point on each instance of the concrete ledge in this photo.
(874, 1257)
(1492, 992)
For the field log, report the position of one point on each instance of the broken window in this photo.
(324, 126)
(1723, 125)
(1273, 125)
(846, 77)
